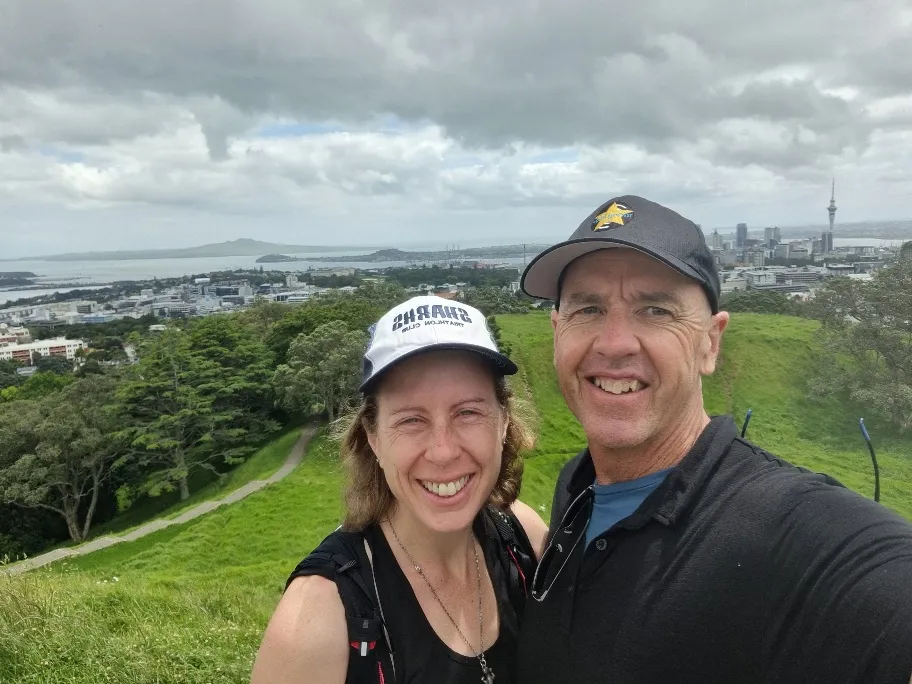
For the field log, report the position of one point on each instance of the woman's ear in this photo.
(372, 441)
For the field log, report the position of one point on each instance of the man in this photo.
(678, 551)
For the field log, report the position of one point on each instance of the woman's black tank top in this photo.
(422, 656)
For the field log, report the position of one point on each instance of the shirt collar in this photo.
(675, 494)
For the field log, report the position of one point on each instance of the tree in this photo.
(58, 451)
(55, 364)
(867, 333)
(90, 367)
(263, 315)
(758, 301)
(905, 252)
(170, 419)
(493, 300)
(494, 328)
(381, 296)
(8, 375)
(322, 372)
(196, 398)
(355, 312)
(37, 386)
(243, 389)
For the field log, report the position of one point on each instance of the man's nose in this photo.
(618, 337)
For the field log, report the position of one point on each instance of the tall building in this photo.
(777, 234)
(827, 246)
(768, 237)
(741, 238)
(717, 242)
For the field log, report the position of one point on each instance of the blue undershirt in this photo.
(614, 502)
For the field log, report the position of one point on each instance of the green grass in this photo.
(190, 602)
(765, 363)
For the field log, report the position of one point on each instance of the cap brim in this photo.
(501, 364)
(542, 276)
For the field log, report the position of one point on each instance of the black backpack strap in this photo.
(344, 558)
(519, 556)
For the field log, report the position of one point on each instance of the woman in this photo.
(423, 582)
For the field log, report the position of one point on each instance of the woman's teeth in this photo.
(445, 489)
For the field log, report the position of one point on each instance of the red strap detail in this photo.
(522, 576)
(380, 673)
(371, 645)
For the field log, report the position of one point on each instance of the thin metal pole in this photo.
(867, 438)
(747, 421)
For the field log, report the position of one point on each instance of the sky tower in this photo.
(826, 239)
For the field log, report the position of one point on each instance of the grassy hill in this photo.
(188, 604)
(765, 363)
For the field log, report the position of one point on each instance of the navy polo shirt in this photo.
(739, 568)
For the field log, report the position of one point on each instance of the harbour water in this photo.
(73, 274)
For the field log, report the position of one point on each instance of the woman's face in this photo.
(439, 437)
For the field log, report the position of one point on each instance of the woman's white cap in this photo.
(425, 323)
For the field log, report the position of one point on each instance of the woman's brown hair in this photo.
(367, 497)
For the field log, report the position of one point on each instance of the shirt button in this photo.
(601, 544)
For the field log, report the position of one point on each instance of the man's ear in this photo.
(554, 315)
(713, 342)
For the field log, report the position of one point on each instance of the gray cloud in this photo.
(448, 107)
(553, 73)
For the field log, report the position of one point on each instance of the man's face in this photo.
(631, 341)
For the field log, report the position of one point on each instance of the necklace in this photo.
(487, 675)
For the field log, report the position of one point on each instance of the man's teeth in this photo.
(445, 489)
(618, 386)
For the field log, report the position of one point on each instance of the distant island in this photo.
(498, 252)
(17, 278)
(278, 259)
(241, 247)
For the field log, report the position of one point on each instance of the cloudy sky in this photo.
(128, 124)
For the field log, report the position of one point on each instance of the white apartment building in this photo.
(11, 334)
(58, 346)
(755, 278)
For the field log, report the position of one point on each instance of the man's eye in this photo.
(589, 310)
(656, 311)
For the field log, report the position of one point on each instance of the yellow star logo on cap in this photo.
(616, 214)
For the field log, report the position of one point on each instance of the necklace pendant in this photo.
(487, 676)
